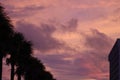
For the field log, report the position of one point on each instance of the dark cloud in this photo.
(70, 26)
(99, 44)
(41, 36)
(98, 40)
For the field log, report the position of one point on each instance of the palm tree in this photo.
(46, 76)
(20, 50)
(6, 31)
(35, 70)
(25, 52)
(15, 43)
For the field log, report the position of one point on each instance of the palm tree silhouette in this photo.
(25, 52)
(20, 51)
(35, 70)
(46, 76)
(6, 31)
(15, 43)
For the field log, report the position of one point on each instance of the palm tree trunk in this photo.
(19, 76)
(12, 71)
(1, 66)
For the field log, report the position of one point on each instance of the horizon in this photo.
(72, 38)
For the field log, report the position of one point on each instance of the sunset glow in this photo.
(71, 37)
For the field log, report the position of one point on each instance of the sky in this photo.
(72, 38)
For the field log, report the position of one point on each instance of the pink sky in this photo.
(72, 37)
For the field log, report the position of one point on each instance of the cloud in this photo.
(33, 7)
(98, 40)
(70, 26)
(41, 36)
(89, 64)
(59, 67)
(99, 45)
(25, 11)
(116, 15)
(25, 8)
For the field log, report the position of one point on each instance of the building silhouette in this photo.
(114, 59)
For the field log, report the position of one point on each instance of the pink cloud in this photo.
(89, 64)
(92, 64)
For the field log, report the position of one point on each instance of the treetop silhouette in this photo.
(6, 31)
(21, 60)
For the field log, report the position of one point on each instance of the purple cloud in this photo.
(93, 60)
(90, 64)
(18, 12)
(98, 40)
(41, 36)
(100, 45)
(70, 26)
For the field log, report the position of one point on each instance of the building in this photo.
(114, 59)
